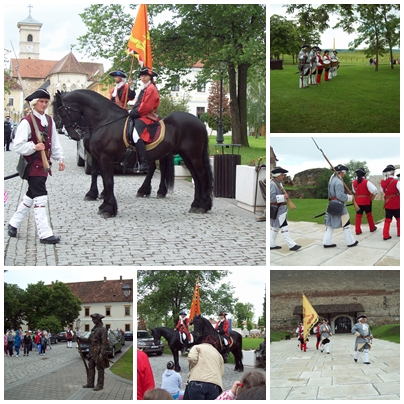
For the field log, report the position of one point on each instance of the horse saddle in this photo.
(229, 340)
(158, 130)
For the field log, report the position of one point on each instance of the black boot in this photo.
(141, 152)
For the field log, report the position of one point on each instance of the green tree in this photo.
(244, 312)
(256, 110)
(169, 104)
(163, 294)
(354, 165)
(13, 313)
(214, 108)
(51, 323)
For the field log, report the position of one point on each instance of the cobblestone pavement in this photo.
(159, 363)
(59, 375)
(146, 231)
(312, 375)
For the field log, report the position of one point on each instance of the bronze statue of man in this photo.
(98, 352)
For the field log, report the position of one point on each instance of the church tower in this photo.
(29, 37)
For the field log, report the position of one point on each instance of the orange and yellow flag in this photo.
(310, 317)
(196, 303)
(139, 40)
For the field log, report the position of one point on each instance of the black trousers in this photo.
(36, 187)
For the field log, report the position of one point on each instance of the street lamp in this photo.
(219, 138)
(126, 290)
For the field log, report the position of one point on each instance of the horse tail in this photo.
(170, 173)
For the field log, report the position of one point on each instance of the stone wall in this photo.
(308, 177)
(377, 290)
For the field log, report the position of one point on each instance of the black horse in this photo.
(174, 343)
(185, 135)
(202, 328)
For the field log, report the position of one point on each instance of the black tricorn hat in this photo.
(398, 175)
(279, 170)
(341, 167)
(118, 73)
(148, 71)
(361, 172)
(97, 315)
(326, 51)
(222, 313)
(390, 167)
(361, 316)
(40, 93)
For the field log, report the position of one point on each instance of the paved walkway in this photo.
(59, 375)
(159, 363)
(146, 232)
(372, 250)
(312, 375)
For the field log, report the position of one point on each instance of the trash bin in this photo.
(224, 167)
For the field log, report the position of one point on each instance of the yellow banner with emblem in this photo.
(310, 317)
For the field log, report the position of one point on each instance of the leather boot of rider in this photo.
(141, 151)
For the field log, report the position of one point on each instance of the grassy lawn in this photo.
(358, 100)
(307, 208)
(257, 149)
(124, 366)
(389, 332)
(277, 336)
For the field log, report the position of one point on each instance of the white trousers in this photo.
(41, 217)
(365, 355)
(135, 135)
(22, 210)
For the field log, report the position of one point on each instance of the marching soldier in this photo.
(313, 64)
(98, 352)
(363, 339)
(335, 68)
(300, 336)
(317, 331)
(365, 193)
(304, 66)
(279, 210)
(337, 214)
(391, 189)
(325, 331)
(327, 69)
(27, 144)
(118, 93)
(319, 63)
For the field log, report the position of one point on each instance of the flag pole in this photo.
(130, 78)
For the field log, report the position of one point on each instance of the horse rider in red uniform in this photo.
(182, 327)
(222, 327)
(391, 189)
(118, 93)
(365, 192)
(144, 114)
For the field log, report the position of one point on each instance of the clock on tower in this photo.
(29, 48)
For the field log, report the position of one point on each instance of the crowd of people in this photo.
(204, 381)
(38, 340)
(312, 64)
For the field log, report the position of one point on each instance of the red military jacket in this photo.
(37, 169)
(362, 193)
(391, 193)
(224, 325)
(181, 323)
(121, 95)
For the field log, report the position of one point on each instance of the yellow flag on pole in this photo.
(139, 40)
(310, 317)
(196, 303)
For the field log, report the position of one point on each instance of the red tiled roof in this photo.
(32, 68)
(68, 64)
(101, 291)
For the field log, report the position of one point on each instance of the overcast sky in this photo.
(296, 154)
(341, 38)
(249, 284)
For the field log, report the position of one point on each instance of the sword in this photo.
(322, 214)
(81, 354)
(37, 133)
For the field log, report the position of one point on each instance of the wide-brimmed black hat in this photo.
(222, 313)
(361, 172)
(390, 167)
(398, 175)
(279, 170)
(341, 167)
(183, 312)
(97, 315)
(148, 71)
(361, 316)
(118, 73)
(40, 93)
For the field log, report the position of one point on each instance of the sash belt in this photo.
(276, 204)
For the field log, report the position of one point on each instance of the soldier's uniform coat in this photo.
(276, 196)
(364, 331)
(336, 190)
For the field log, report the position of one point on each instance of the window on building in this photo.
(200, 111)
(29, 39)
(108, 311)
(10, 102)
(107, 326)
(127, 327)
(86, 327)
(127, 310)
(86, 311)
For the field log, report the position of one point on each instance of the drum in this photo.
(327, 64)
(334, 62)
